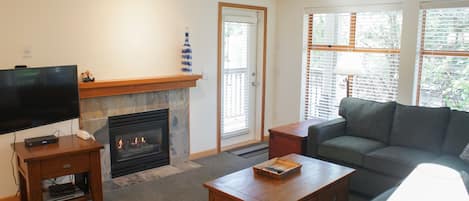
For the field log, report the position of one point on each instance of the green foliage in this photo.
(445, 79)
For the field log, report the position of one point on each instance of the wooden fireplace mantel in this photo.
(134, 86)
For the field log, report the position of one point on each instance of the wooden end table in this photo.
(317, 181)
(70, 156)
(291, 138)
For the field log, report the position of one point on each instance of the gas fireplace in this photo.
(138, 142)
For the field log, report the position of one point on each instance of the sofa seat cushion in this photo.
(368, 119)
(452, 162)
(349, 149)
(419, 127)
(396, 161)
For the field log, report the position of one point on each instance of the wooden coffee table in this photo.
(317, 181)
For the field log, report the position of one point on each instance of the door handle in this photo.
(254, 84)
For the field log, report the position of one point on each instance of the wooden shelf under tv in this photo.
(138, 85)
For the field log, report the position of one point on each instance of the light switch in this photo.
(27, 53)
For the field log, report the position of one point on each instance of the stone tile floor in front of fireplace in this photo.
(148, 175)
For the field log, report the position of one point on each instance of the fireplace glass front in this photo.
(138, 142)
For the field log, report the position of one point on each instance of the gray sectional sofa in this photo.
(386, 141)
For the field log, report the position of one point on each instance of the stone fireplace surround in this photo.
(95, 112)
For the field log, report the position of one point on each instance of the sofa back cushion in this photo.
(457, 134)
(368, 119)
(419, 127)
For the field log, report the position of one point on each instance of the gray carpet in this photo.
(187, 186)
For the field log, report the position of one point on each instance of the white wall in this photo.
(121, 39)
(289, 53)
(113, 38)
(202, 19)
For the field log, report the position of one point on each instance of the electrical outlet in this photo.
(27, 53)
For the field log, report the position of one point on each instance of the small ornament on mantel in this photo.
(186, 56)
(87, 76)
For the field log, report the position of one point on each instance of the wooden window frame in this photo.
(351, 47)
(423, 52)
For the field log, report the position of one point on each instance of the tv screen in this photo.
(32, 97)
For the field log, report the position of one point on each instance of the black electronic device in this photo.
(37, 141)
(61, 189)
(63, 192)
(37, 96)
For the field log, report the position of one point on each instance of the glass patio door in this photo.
(239, 75)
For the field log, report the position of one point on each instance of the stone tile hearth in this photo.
(95, 113)
(148, 175)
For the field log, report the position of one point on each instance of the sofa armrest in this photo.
(322, 132)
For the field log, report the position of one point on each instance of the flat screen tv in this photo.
(32, 97)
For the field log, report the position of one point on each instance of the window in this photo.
(235, 78)
(443, 58)
(372, 38)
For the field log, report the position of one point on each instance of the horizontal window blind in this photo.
(379, 81)
(379, 30)
(365, 7)
(372, 37)
(446, 29)
(443, 58)
(331, 29)
(323, 90)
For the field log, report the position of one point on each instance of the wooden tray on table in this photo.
(277, 168)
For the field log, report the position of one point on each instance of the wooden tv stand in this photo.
(70, 156)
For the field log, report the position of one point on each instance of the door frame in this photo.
(222, 5)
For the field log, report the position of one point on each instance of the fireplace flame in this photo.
(139, 141)
(135, 141)
(120, 143)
